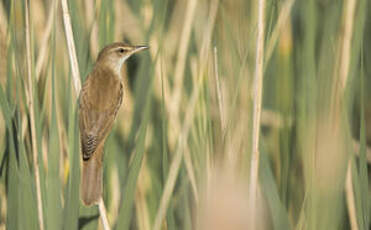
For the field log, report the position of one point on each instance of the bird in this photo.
(99, 101)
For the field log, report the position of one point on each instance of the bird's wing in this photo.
(95, 125)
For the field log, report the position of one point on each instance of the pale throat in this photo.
(116, 66)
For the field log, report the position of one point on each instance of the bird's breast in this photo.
(105, 92)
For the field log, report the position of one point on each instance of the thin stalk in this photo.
(342, 68)
(32, 117)
(346, 42)
(219, 91)
(44, 43)
(258, 88)
(191, 174)
(181, 58)
(103, 214)
(339, 91)
(71, 47)
(350, 198)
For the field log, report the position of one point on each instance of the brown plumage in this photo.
(100, 100)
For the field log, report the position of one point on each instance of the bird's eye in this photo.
(121, 50)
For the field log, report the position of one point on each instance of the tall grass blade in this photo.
(125, 214)
(54, 185)
(165, 156)
(269, 188)
(72, 193)
(26, 187)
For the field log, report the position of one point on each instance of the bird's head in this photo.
(114, 55)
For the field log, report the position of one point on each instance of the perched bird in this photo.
(100, 99)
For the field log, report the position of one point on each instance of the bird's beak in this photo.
(137, 49)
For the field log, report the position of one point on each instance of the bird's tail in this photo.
(91, 179)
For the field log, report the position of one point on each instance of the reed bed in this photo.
(242, 115)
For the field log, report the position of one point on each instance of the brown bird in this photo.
(100, 99)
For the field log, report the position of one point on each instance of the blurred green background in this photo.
(179, 154)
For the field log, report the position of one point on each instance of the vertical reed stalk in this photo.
(350, 198)
(219, 92)
(349, 10)
(44, 43)
(181, 58)
(103, 214)
(71, 47)
(342, 66)
(32, 117)
(339, 90)
(258, 88)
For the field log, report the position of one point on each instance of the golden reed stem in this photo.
(32, 117)
(71, 47)
(258, 88)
